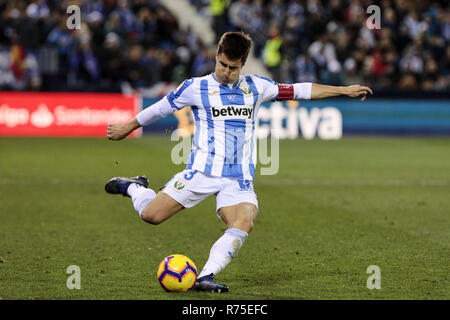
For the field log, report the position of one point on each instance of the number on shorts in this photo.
(190, 175)
(245, 185)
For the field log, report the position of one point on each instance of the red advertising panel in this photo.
(64, 114)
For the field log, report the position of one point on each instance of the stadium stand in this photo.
(136, 44)
(328, 42)
(120, 43)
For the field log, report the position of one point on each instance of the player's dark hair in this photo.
(235, 45)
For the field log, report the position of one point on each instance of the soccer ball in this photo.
(177, 273)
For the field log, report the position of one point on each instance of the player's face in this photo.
(227, 71)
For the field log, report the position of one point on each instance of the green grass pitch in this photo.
(333, 209)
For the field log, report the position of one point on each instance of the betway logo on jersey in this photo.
(232, 112)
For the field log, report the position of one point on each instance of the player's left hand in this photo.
(357, 90)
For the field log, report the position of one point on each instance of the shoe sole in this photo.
(217, 290)
(212, 290)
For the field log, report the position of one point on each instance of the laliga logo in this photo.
(42, 117)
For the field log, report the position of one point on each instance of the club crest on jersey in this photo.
(232, 112)
(246, 90)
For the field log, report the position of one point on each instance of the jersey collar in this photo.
(235, 85)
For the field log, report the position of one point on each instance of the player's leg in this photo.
(161, 208)
(237, 205)
(152, 208)
(177, 194)
(239, 219)
(240, 216)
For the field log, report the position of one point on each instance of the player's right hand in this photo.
(117, 132)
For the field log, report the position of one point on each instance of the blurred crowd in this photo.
(328, 41)
(120, 45)
(124, 45)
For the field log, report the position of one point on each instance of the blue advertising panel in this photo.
(333, 118)
(162, 125)
(390, 116)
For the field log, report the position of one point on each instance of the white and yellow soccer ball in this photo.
(177, 273)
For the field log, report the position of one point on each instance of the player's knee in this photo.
(151, 216)
(246, 222)
(251, 216)
(244, 225)
(248, 226)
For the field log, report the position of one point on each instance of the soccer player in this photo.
(223, 154)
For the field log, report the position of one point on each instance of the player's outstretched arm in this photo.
(119, 131)
(320, 91)
(159, 110)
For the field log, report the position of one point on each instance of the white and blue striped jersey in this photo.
(224, 142)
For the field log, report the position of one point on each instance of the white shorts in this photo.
(190, 187)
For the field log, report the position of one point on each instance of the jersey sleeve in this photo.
(270, 90)
(156, 111)
(182, 96)
(175, 100)
(267, 88)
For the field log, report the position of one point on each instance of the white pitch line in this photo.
(271, 181)
(338, 182)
